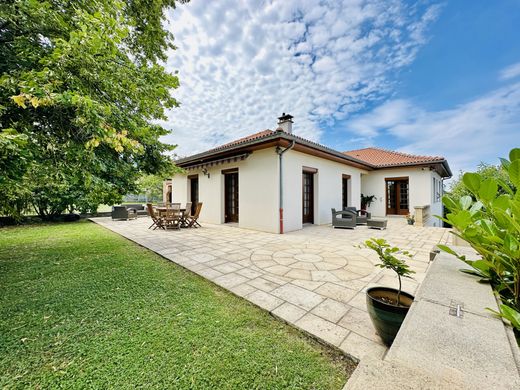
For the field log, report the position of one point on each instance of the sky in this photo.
(425, 77)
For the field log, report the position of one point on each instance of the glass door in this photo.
(397, 196)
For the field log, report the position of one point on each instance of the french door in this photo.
(308, 197)
(397, 196)
(231, 197)
(344, 191)
(194, 193)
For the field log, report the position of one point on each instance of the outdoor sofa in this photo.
(139, 208)
(122, 212)
(342, 219)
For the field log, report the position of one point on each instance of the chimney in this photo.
(285, 123)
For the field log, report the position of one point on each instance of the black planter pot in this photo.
(387, 319)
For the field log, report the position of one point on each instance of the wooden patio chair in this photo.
(192, 219)
(186, 214)
(157, 219)
(173, 216)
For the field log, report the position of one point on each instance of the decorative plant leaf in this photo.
(465, 202)
(447, 249)
(514, 154)
(488, 190)
(472, 182)
(514, 173)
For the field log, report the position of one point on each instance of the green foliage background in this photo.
(487, 171)
(82, 87)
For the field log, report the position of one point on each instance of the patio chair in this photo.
(173, 216)
(157, 219)
(192, 219)
(186, 214)
(362, 216)
(121, 212)
(342, 219)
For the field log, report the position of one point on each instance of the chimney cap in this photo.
(285, 117)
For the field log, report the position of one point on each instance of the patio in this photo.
(313, 279)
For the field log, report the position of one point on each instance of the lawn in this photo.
(83, 307)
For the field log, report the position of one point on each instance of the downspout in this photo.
(280, 153)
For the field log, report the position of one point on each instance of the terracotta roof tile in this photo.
(248, 138)
(387, 158)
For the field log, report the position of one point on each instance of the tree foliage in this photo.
(489, 220)
(151, 186)
(81, 91)
(487, 171)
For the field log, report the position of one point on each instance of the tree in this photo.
(458, 189)
(81, 90)
(151, 186)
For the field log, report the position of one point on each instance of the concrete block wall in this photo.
(436, 349)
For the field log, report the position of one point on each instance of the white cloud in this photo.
(510, 72)
(480, 130)
(242, 63)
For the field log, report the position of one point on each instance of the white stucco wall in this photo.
(420, 190)
(436, 206)
(327, 188)
(257, 191)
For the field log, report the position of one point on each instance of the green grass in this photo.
(83, 307)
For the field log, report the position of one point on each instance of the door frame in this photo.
(226, 173)
(192, 179)
(311, 172)
(345, 190)
(398, 210)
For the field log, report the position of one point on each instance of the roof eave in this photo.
(278, 135)
(443, 163)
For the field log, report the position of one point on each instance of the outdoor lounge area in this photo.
(313, 278)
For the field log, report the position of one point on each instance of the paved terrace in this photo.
(314, 278)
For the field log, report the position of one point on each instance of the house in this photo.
(276, 181)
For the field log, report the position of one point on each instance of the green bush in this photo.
(489, 220)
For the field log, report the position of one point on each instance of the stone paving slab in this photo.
(314, 279)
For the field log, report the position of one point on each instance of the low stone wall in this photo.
(422, 215)
(448, 340)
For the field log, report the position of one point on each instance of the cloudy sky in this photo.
(425, 77)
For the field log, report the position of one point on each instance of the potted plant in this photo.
(366, 201)
(388, 307)
(410, 218)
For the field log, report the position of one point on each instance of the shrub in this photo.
(489, 220)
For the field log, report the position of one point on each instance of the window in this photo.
(436, 190)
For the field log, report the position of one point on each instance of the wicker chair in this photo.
(362, 216)
(342, 219)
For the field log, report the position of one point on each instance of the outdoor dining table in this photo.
(163, 209)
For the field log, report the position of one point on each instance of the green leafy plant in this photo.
(366, 200)
(392, 258)
(489, 220)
